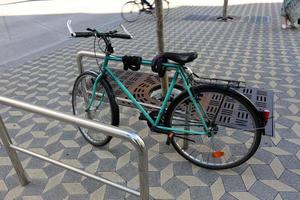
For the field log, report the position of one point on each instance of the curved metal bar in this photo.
(131, 137)
(90, 54)
(23, 178)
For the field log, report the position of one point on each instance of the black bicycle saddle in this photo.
(181, 58)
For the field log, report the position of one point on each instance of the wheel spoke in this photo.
(229, 144)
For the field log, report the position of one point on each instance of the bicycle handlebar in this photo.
(93, 32)
(90, 34)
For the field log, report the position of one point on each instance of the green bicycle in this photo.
(211, 125)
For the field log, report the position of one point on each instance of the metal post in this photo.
(12, 154)
(131, 137)
(224, 16)
(160, 39)
(143, 167)
(225, 9)
(82, 54)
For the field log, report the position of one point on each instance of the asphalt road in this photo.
(31, 28)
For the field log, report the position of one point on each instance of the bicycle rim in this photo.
(102, 110)
(130, 11)
(235, 136)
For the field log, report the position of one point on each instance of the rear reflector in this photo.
(217, 154)
(266, 115)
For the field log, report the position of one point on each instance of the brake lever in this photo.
(91, 30)
(69, 22)
(113, 32)
(126, 31)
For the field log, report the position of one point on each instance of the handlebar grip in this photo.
(83, 34)
(123, 36)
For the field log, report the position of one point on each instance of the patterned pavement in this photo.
(251, 48)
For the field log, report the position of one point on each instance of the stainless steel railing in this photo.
(131, 137)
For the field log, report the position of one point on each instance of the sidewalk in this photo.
(252, 48)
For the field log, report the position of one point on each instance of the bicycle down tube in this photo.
(178, 72)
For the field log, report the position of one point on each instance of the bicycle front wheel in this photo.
(104, 108)
(233, 122)
(130, 11)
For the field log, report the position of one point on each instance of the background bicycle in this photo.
(131, 10)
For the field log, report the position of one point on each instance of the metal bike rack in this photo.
(82, 54)
(131, 137)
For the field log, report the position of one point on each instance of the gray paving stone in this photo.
(107, 165)
(71, 177)
(265, 156)
(154, 178)
(132, 197)
(113, 194)
(88, 159)
(70, 153)
(291, 179)
(207, 176)
(160, 162)
(78, 197)
(233, 183)
(175, 187)
(150, 142)
(262, 191)
(35, 164)
(91, 185)
(227, 196)
(37, 188)
(200, 192)
(289, 161)
(263, 172)
(56, 193)
(52, 170)
(127, 172)
(182, 169)
(288, 146)
(290, 195)
(119, 150)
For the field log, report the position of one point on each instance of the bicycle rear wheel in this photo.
(234, 127)
(104, 109)
(130, 11)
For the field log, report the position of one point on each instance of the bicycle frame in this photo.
(178, 73)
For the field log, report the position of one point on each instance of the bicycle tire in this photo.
(130, 11)
(108, 114)
(211, 153)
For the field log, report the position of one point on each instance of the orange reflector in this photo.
(217, 154)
